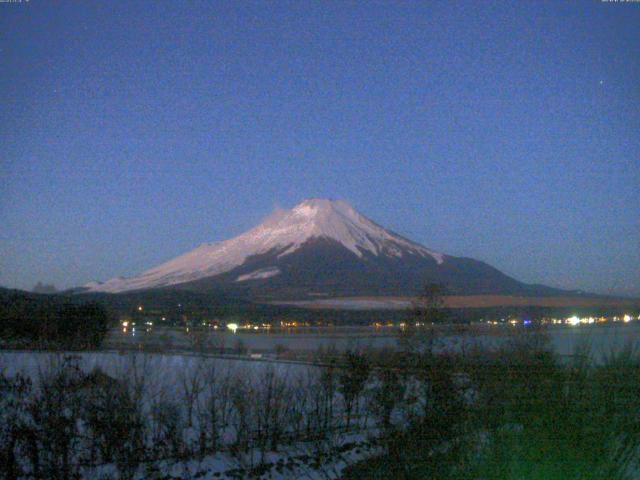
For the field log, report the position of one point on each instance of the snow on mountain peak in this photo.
(315, 207)
(284, 232)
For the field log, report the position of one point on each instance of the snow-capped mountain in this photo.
(319, 247)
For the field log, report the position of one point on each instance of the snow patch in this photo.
(259, 274)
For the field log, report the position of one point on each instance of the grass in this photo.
(530, 417)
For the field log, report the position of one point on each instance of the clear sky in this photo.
(131, 132)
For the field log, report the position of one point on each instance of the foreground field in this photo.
(515, 410)
(108, 415)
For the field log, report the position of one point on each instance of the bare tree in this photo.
(272, 408)
(55, 412)
(241, 393)
(427, 311)
(217, 407)
(192, 383)
(352, 380)
(389, 392)
(168, 428)
(15, 395)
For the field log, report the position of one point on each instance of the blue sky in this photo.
(134, 131)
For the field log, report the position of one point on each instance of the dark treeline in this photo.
(50, 321)
(204, 306)
(177, 305)
(273, 314)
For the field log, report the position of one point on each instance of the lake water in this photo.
(603, 338)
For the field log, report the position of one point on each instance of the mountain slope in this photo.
(324, 248)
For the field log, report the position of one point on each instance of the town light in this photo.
(573, 320)
(232, 326)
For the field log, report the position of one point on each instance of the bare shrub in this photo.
(352, 379)
(217, 408)
(192, 384)
(168, 426)
(241, 418)
(270, 409)
(16, 432)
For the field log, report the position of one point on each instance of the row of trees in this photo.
(67, 421)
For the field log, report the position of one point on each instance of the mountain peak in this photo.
(322, 206)
(318, 202)
(285, 231)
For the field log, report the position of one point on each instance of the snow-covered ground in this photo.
(295, 462)
(159, 370)
(239, 402)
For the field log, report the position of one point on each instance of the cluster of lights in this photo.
(289, 324)
(404, 325)
(126, 324)
(383, 325)
(590, 320)
(573, 320)
(209, 324)
(510, 321)
(234, 327)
